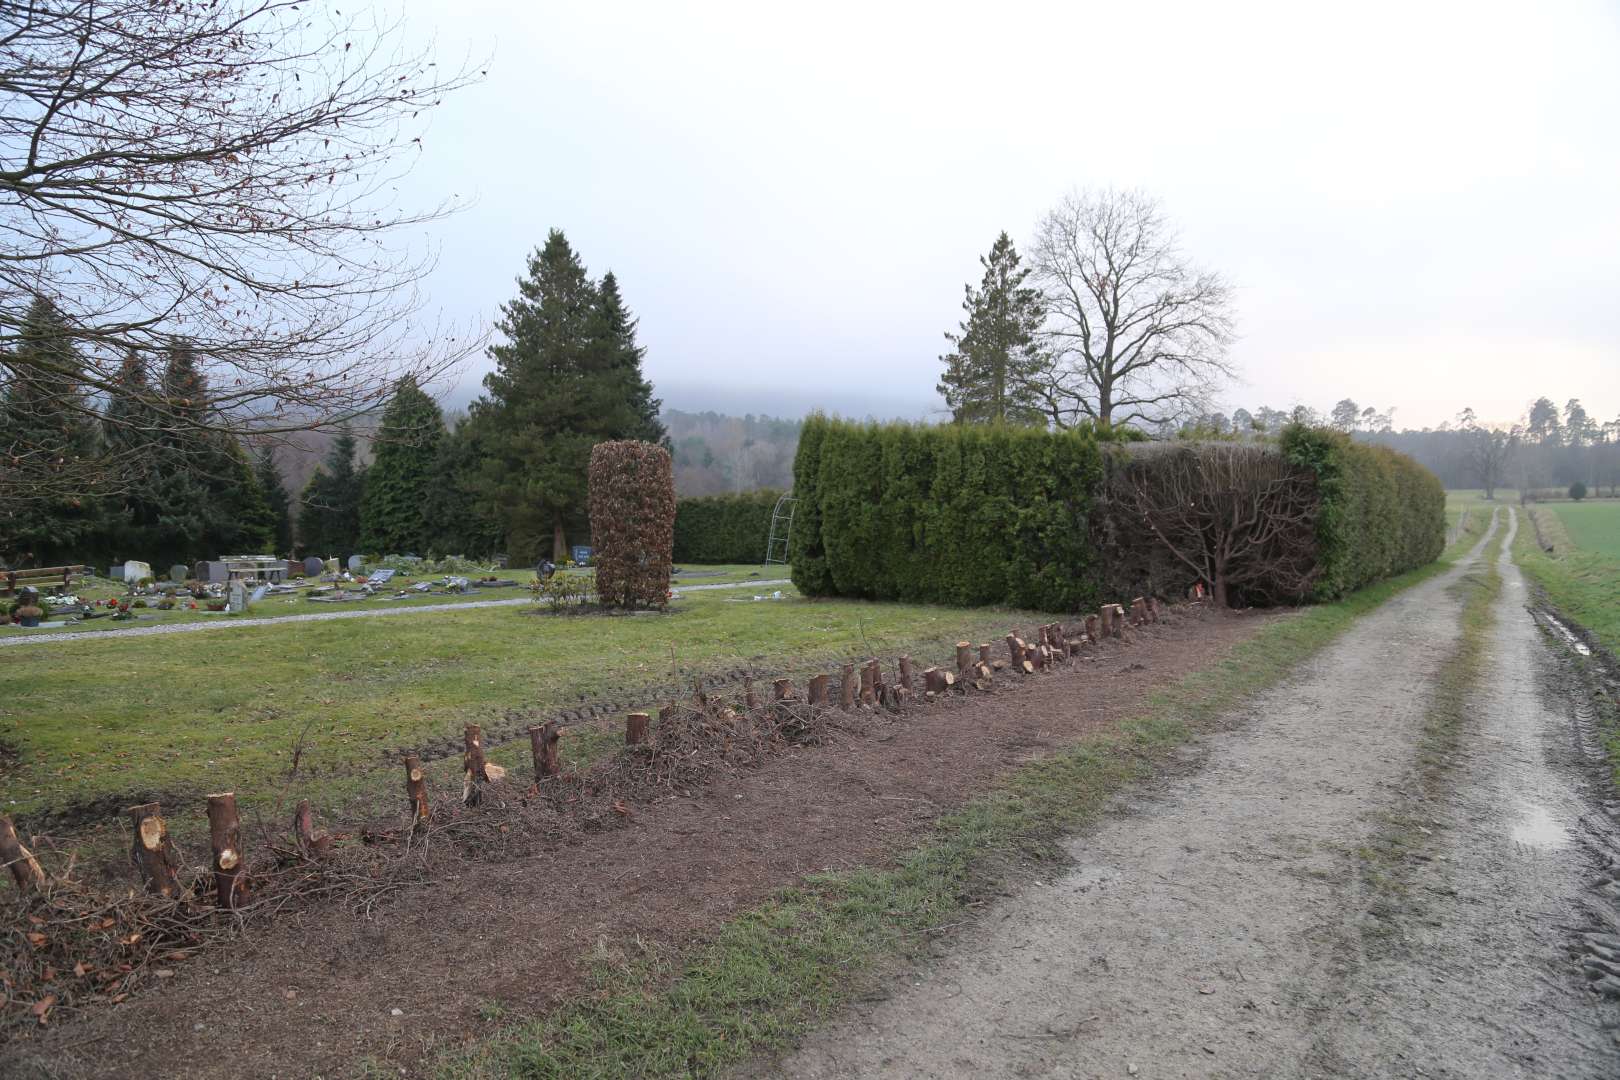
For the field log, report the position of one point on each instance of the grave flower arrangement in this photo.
(29, 614)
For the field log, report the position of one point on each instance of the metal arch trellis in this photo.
(776, 545)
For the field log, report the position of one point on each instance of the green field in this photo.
(1593, 525)
(186, 714)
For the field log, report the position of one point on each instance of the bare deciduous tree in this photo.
(1488, 450)
(1135, 333)
(1235, 514)
(223, 174)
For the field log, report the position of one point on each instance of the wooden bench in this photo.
(50, 576)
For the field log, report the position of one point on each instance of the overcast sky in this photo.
(1418, 202)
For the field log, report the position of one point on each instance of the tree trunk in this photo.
(635, 728)
(225, 840)
(782, 689)
(846, 689)
(559, 545)
(151, 851)
(416, 788)
(905, 675)
(475, 773)
(312, 843)
(964, 655)
(1219, 592)
(984, 654)
(817, 690)
(543, 746)
(25, 869)
(869, 683)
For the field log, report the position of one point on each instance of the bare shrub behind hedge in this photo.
(632, 522)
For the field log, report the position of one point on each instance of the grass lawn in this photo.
(1592, 525)
(183, 715)
(1581, 581)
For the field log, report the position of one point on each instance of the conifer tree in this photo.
(989, 374)
(457, 519)
(329, 507)
(276, 500)
(401, 473)
(566, 377)
(615, 332)
(47, 429)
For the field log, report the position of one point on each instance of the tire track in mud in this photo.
(1310, 902)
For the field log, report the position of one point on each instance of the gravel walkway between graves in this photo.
(1339, 891)
(227, 623)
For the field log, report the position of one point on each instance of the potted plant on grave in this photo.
(29, 614)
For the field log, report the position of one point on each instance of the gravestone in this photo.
(356, 563)
(238, 597)
(136, 571)
(312, 566)
(381, 577)
(330, 566)
(177, 573)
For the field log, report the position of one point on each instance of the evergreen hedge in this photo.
(1381, 512)
(632, 492)
(724, 528)
(958, 514)
(982, 515)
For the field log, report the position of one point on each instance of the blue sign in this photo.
(582, 554)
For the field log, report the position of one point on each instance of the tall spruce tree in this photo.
(392, 511)
(276, 500)
(989, 374)
(614, 331)
(329, 507)
(47, 427)
(567, 377)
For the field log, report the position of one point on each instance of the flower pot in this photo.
(29, 620)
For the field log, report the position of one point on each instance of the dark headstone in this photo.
(313, 566)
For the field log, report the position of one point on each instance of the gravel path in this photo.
(227, 623)
(1304, 904)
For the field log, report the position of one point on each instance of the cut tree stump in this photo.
(416, 788)
(964, 655)
(749, 701)
(225, 840)
(816, 691)
(1015, 650)
(781, 689)
(475, 773)
(984, 654)
(25, 869)
(905, 675)
(635, 728)
(1093, 629)
(699, 698)
(869, 690)
(313, 843)
(1153, 609)
(152, 853)
(846, 689)
(543, 740)
(937, 680)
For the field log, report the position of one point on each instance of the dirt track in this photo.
(1307, 904)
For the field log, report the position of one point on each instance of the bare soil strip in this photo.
(314, 992)
(1306, 905)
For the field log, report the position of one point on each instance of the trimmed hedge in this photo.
(980, 515)
(1381, 512)
(632, 502)
(724, 528)
(954, 514)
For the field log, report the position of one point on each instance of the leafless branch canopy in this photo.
(1235, 514)
(1135, 334)
(224, 174)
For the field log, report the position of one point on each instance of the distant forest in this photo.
(715, 453)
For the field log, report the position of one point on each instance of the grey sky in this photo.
(1420, 203)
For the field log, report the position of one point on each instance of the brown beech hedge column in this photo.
(632, 522)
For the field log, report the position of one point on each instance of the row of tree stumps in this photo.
(863, 685)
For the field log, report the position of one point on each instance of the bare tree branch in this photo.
(1135, 334)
